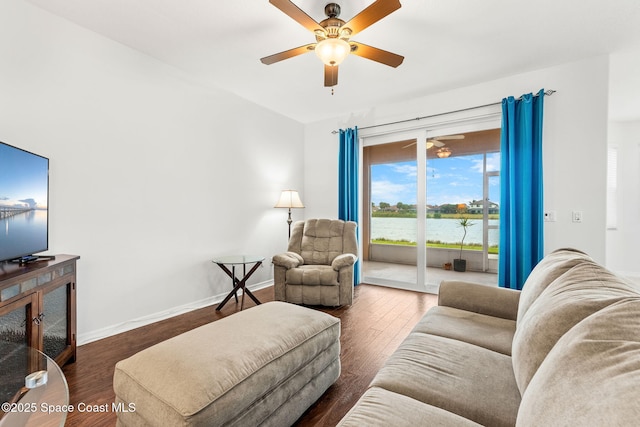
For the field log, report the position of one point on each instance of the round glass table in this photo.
(33, 389)
(237, 284)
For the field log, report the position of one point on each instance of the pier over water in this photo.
(7, 211)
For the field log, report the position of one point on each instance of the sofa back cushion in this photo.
(546, 271)
(319, 241)
(581, 291)
(592, 375)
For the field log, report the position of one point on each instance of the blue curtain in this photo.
(348, 182)
(521, 204)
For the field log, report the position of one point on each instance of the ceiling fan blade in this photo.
(297, 14)
(330, 75)
(375, 54)
(430, 143)
(435, 142)
(288, 54)
(372, 14)
(445, 137)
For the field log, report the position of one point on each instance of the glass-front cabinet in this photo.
(37, 307)
(55, 324)
(16, 327)
(37, 335)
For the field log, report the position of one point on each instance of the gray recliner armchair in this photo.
(317, 268)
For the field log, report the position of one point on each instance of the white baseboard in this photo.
(99, 334)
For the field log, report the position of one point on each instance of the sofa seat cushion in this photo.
(591, 377)
(465, 379)
(384, 408)
(312, 275)
(580, 292)
(493, 333)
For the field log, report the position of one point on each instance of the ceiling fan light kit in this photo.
(332, 51)
(443, 153)
(333, 35)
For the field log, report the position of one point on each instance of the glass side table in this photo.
(33, 389)
(237, 284)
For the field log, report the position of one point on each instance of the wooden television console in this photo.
(38, 305)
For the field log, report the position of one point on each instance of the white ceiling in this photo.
(446, 44)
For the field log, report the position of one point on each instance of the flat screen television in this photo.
(24, 203)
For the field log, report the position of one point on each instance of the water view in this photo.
(23, 234)
(446, 230)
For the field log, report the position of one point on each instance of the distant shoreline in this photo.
(382, 214)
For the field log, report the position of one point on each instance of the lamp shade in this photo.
(332, 51)
(289, 199)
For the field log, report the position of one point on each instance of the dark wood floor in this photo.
(372, 328)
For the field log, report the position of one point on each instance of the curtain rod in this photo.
(548, 93)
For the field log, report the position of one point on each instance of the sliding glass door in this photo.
(417, 187)
(390, 226)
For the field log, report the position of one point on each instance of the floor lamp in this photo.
(289, 199)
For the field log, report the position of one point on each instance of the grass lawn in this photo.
(432, 244)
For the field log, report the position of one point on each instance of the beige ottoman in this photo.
(260, 367)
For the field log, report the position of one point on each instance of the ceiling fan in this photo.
(437, 142)
(333, 36)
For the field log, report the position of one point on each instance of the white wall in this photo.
(622, 242)
(575, 136)
(151, 175)
(624, 133)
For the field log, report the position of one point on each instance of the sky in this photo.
(23, 178)
(451, 180)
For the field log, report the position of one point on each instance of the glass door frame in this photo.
(488, 175)
(483, 118)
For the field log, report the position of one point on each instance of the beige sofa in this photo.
(563, 352)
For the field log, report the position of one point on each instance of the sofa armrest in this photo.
(287, 260)
(342, 261)
(478, 298)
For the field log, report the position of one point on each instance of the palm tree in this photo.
(464, 222)
(461, 264)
